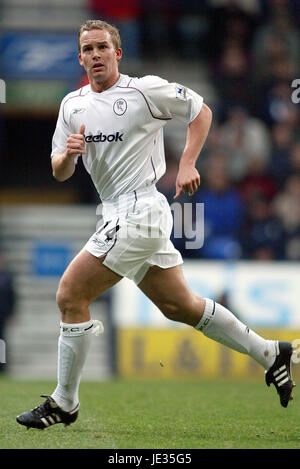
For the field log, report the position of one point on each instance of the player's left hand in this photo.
(187, 181)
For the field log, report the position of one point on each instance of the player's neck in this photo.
(99, 87)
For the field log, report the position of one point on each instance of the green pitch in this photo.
(157, 414)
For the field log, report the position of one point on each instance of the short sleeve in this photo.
(170, 100)
(61, 133)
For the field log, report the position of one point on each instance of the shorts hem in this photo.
(113, 269)
(140, 276)
(104, 263)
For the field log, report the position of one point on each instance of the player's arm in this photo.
(63, 164)
(188, 178)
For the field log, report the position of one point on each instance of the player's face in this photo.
(99, 58)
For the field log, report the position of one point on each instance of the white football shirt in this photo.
(124, 130)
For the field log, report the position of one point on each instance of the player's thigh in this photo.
(85, 279)
(169, 291)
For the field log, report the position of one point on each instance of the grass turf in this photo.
(122, 414)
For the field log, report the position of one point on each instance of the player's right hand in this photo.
(76, 143)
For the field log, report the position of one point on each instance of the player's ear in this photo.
(80, 59)
(119, 54)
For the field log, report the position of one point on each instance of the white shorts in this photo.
(134, 234)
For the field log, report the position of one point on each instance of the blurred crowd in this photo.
(250, 166)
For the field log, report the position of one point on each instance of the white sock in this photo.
(73, 346)
(219, 324)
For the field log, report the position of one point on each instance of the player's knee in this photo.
(185, 311)
(67, 300)
(63, 300)
(172, 311)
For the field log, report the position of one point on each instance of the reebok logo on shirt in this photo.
(116, 137)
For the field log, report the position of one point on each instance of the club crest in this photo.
(120, 106)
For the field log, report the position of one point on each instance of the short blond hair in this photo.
(89, 25)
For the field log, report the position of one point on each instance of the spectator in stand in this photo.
(223, 211)
(269, 6)
(191, 29)
(258, 182)
(286, 207)
(275, 54)
(244, 138)
(271, 93)
(294, 158)
(274, 40)
(232, 77)
(262, 235)
(161, 29)
(125, 16)
(282, 141)
(232, 20)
